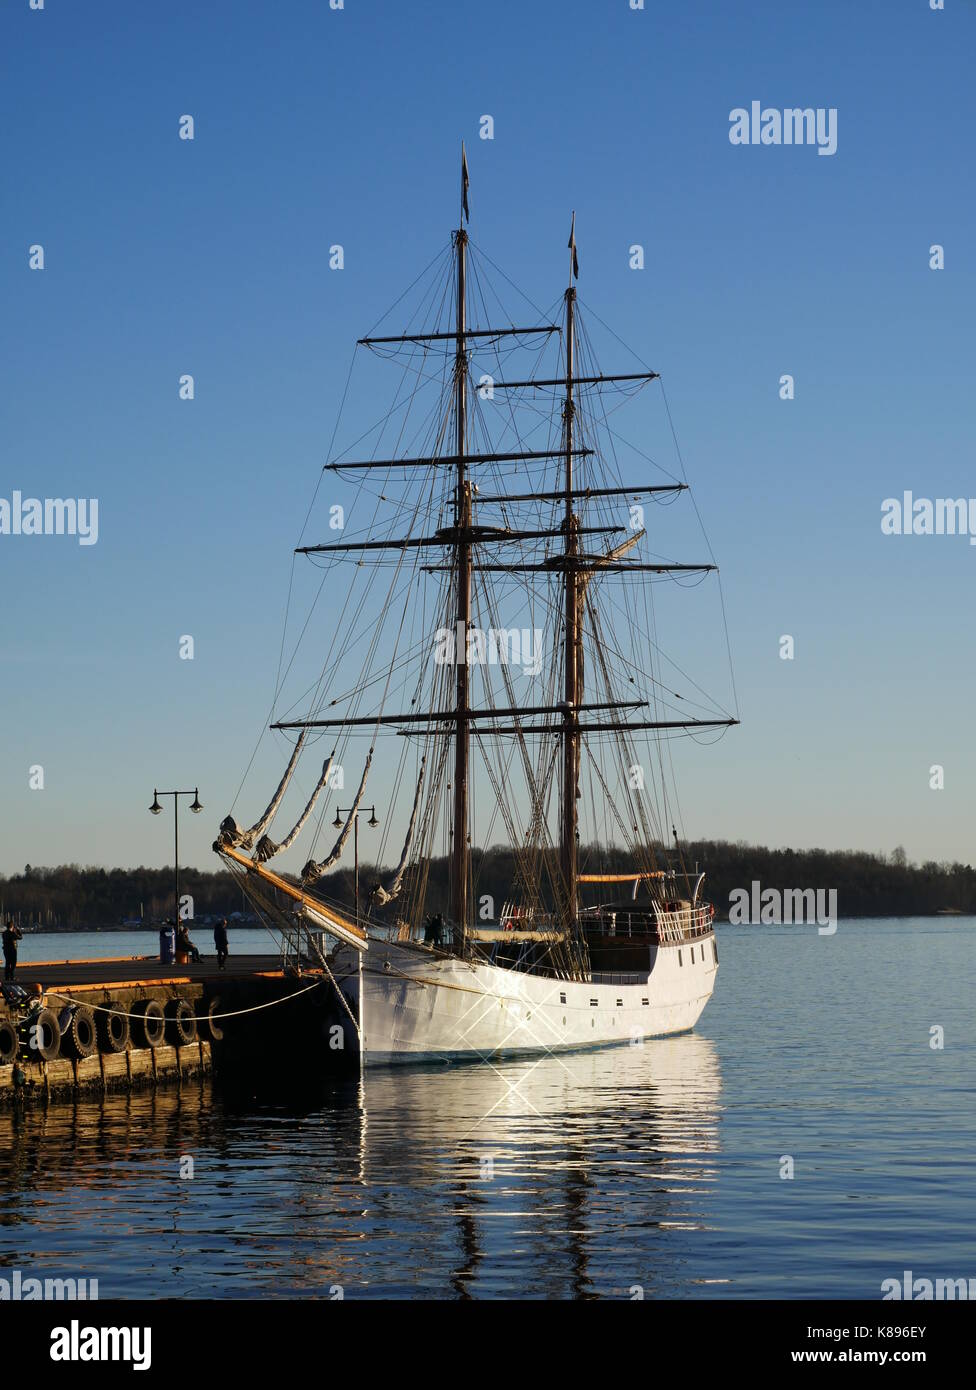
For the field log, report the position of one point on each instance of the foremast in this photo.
(460, 850)
(571, 661)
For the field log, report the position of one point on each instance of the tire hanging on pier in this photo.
(44, 1034)
(182, 1023)
(214, 1029)
(9, 1043)
(152, 1022)
(114, 1029)
(80, 1033)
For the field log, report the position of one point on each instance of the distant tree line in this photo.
(70, 897)
(868, 885)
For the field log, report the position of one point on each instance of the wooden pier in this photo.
(122, 1023)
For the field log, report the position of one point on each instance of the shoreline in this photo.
(720, 921)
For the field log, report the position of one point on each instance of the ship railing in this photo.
(683, 924)
(621, 923)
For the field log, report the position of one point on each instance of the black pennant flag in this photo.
(572, 246)
(464, 183)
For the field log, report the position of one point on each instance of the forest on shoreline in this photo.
(71, 897)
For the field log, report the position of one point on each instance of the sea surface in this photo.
(663, 1169)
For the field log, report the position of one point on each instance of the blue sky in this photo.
(315, 127)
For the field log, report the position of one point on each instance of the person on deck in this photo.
(11, 935)
(434, 930)
(183, 943)
(220, 942)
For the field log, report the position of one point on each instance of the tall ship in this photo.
(486, 671)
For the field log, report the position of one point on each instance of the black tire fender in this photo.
(9, 1043)
(151, 1028)
(181, 1023)
(113, 1029)
(44, 1034)
(81, 1033)
(214, 1027)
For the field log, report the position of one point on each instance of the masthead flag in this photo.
(464, 183)
(572, 246)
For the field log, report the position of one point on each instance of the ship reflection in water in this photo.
(582, 1175)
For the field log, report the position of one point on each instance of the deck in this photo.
(127, 972)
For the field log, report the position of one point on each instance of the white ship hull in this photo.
(421, 1006)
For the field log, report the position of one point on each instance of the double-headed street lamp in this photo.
(340, 812)
(195, 807)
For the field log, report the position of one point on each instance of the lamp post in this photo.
(196, 807)
(340, 812)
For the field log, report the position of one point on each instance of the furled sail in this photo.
(231, 835)
(618, 551)
(313, 871)
(380, 896)
(583, 583)
(266, 847)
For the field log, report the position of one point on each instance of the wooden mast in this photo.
(568, 850)
(462, 735)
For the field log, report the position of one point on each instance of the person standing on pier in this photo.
(11, 936)
(220, 942)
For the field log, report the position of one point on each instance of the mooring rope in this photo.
(345, 1001)
(201, 1018)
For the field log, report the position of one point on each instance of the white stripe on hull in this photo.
(422, 1007)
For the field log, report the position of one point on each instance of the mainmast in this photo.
(568, 828)
(462, 733)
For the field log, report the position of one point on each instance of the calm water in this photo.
(58, 946)
(574, 1176)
